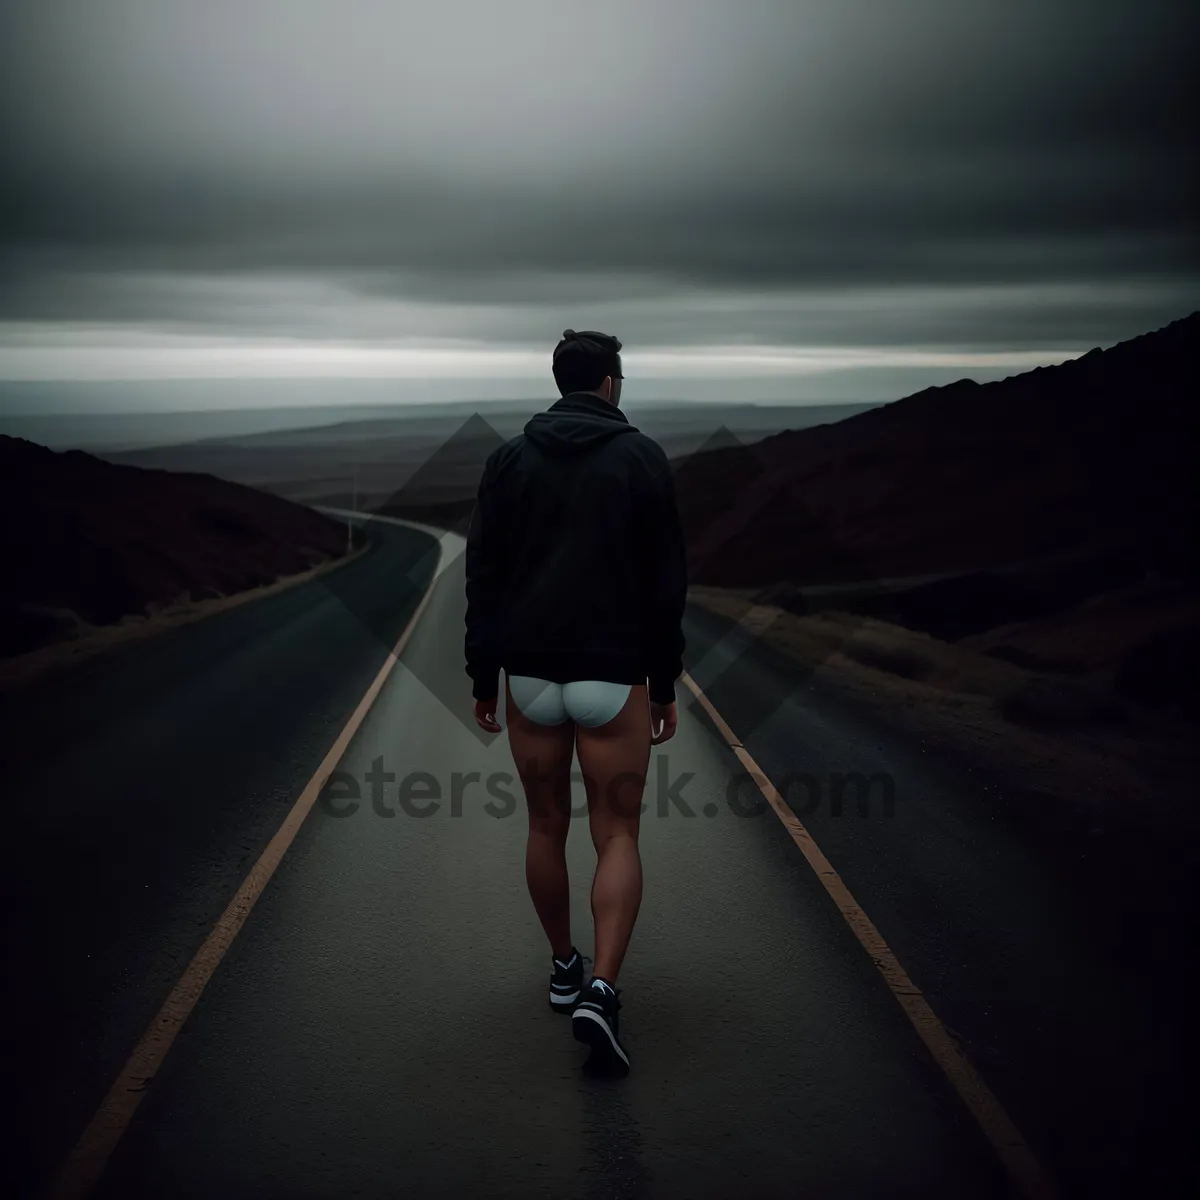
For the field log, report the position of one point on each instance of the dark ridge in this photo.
(1091, 458)
(90, 541)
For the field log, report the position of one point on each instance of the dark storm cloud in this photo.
(521, 154)
(1003, 217)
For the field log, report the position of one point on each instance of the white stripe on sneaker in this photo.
(589, 1014)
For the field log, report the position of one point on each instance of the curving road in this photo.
(378, 1026)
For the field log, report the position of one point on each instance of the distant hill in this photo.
(413, 458)
(1093, 457)
(85, 540)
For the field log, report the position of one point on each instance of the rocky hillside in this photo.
(1091, 458)
(88, 541)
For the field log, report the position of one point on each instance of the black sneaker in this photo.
(566, 982)
(594, 1022)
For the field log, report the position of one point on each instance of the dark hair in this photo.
(582, 360)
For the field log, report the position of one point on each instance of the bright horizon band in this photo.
(98, 354)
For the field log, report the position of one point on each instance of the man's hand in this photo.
(485, 715)
(666, 716)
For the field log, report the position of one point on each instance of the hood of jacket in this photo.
(579, 422)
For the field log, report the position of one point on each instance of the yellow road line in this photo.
(86, 1162)
(1018, 1159)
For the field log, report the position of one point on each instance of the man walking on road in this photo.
(576, 579)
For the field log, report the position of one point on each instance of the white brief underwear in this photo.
(588, 702)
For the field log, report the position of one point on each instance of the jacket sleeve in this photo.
(485, 589)
(664, 576)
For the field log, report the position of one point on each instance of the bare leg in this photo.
(543, 756)
(614, 759)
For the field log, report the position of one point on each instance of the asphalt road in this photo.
(138, 791)
(379, 1025)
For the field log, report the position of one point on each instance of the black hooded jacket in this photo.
(575, 560)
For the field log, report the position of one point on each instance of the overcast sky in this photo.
(790, 191)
